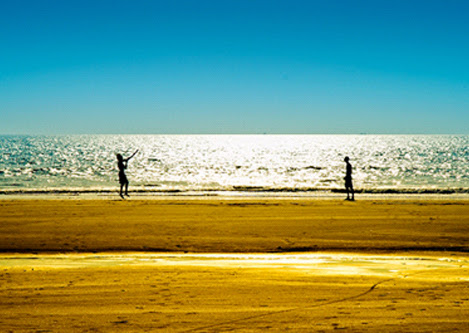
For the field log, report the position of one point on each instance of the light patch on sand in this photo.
(315, 264)
(177, 292)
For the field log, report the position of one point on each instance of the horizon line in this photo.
(266, 133)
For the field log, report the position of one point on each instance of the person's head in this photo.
(346, 159)
(119, 157)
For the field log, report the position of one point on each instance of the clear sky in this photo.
(234, 66)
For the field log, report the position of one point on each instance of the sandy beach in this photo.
(251, 265)
(233, 225)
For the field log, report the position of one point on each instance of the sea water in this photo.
(208, 163)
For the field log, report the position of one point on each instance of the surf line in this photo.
(293, 309)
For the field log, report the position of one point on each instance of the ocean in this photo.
(235, 163)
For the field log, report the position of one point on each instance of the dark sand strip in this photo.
(239, 225)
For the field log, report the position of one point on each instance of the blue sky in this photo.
(236, 66)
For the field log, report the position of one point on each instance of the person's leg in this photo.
(353, 192)
(126, 188)
(348, 192)
(120, 193)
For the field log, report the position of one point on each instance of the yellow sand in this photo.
(430, 295)
(248, 225)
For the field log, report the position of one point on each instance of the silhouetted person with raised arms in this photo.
(348, 180)
(122, 165)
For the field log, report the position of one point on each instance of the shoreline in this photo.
(226, 195)
(153, 189)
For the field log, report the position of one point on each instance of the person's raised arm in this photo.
(132, 155)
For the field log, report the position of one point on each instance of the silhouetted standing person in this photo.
(122, 165)
(348, 180)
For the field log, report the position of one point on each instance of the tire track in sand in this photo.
(340, 300)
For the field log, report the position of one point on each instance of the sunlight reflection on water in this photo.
(226, 162)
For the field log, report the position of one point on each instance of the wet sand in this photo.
(375, 265)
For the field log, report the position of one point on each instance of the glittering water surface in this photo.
(236, 162)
